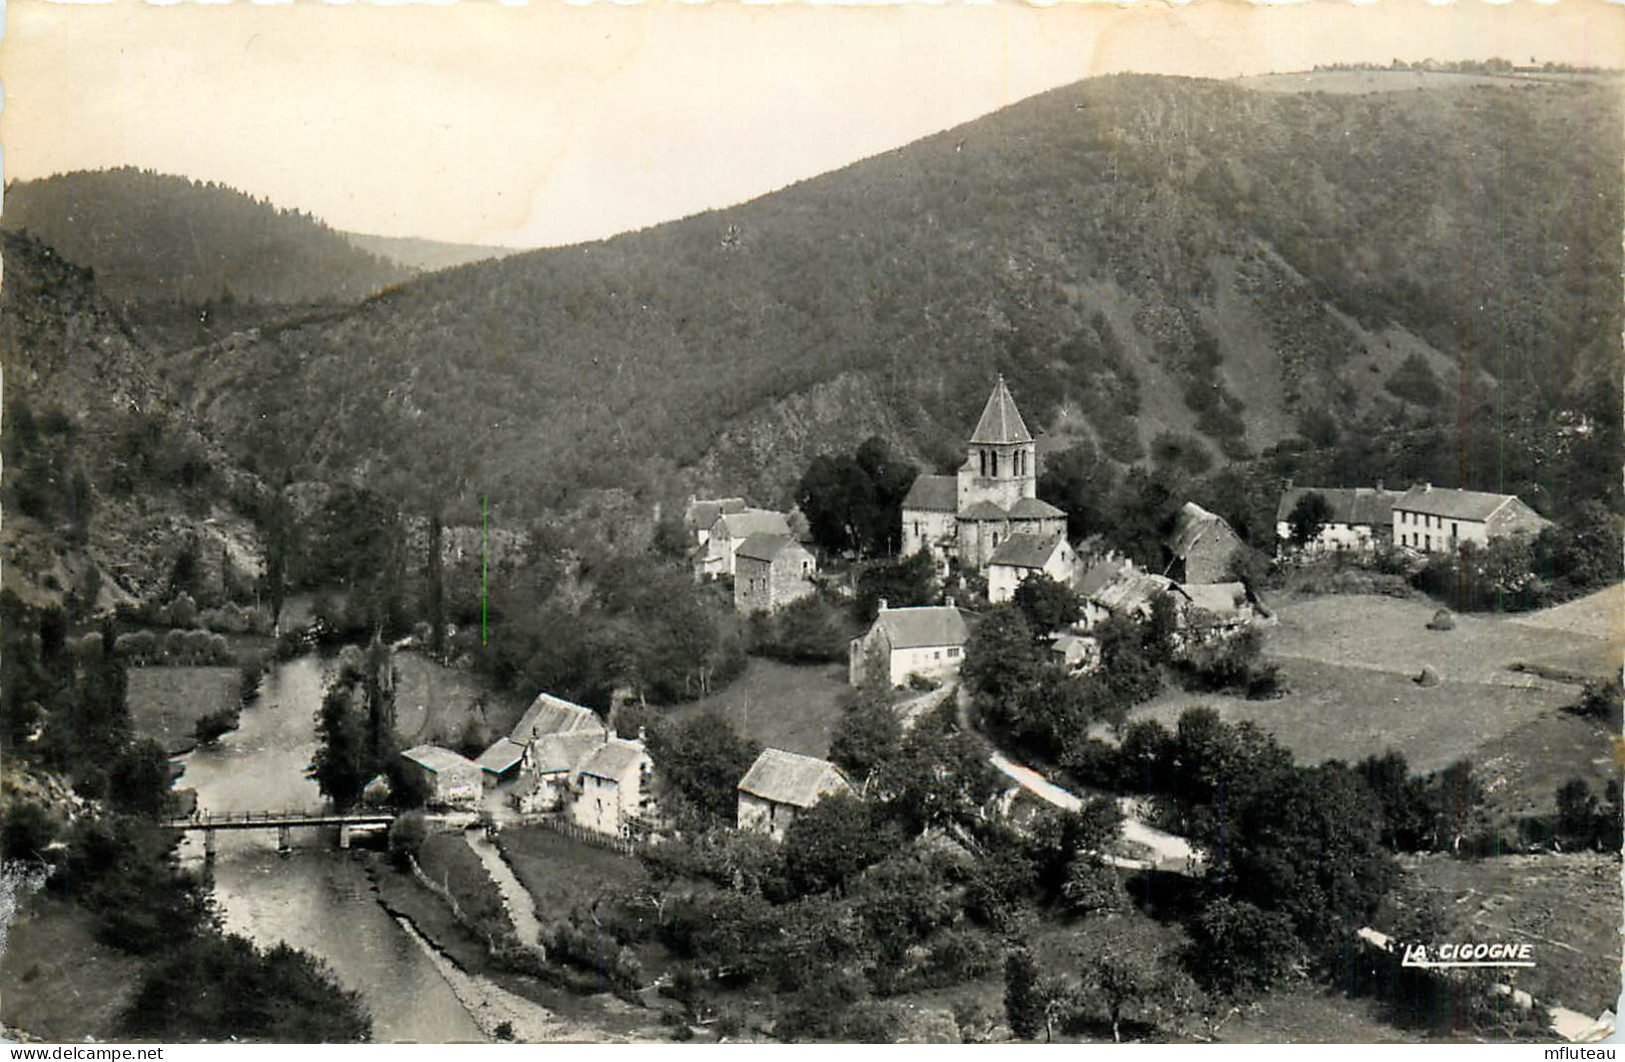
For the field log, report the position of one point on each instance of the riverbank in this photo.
(556, 1014)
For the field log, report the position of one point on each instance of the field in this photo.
(561, 873)
(782, 706)
(166, 702)
(56, 982)
(436, 704)
(1567, 906)
(1349, 662)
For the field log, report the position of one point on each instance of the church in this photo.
(963, 518)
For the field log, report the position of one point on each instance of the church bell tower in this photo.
(1002, 460)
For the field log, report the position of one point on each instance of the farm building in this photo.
(1215, 610)
(1439, 520)
(928, 641)
(452, 780)
(1357, 518)
(551, 776)
(1201, 546)
(501, 762)
(965, 517)
(1115, 587)
(548, 714)
(1020, 557)
(729, 532)
(770, 571)
(613, 793)
(779, 784)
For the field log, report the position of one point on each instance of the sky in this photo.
(551, 123)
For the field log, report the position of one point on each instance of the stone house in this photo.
(1115, 587)
(452, 780)
(1214, 611)
(1078, 653)
(779, 785)
(1441, 520)
(1202, 546)
(928, 641)
(550, 781)
(614, 793)
(770, 571)
(1359, 518)
(1020, 557)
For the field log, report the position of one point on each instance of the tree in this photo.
(406, 836)
(437, 587)
(703, 758)
(1023, 999)
(829, 843)
(1002, 655)
(1238, 949)
(901, 584)
(867, 734)
(343, 763)
(1119, 978)
(1047, 604)
(1310, 513)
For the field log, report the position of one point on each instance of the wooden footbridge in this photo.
(283, 822)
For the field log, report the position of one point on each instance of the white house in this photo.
(928, 641)
(730, 531)
(1357, 519)
(1020, 557)
(1441, 520)
(555, 763)
(780, 784)
(453, 780)
(615, 789)
(701, 515)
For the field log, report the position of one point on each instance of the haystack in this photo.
(1428, 678)
(1442, 621)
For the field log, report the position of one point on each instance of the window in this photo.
(983, 455)
(953, 651)
(1455, 529)
(1428, 542)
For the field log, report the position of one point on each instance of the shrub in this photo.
(209, 728)
(406, 836)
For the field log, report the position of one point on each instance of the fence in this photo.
(580, 833)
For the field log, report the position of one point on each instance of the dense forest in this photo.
(1145, 259)
(150, 237)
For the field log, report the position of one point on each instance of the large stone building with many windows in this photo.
(964, 518)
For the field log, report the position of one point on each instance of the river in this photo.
(317, 898)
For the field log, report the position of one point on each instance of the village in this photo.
(995, 551)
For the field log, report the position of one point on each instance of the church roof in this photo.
(1001, 421)
(1034, 509)
(984, 510)
(933, 493)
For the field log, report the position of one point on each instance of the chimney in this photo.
(1427, 488)
(1288, 484)
(883, 605)
(643, 735)
(948, 601)
(1380, 486)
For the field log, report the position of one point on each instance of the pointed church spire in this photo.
(1001, 422)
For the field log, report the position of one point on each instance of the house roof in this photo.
(1034, 509)
(615, 760)
(984, 510)
(562, 753)
(1001, 422)
(1026, 551)
(1370, 506)
(1099, 575)
(1193, 524)
(1221, 599)
(1133, 590)
(548, 714)
(753, 522)
(436, 759)
(922, 626)
(501, 756)
(704, 513)
(764, 547)
(1067, 642)
(1450, 503)
(788, 778)
(933, 493)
